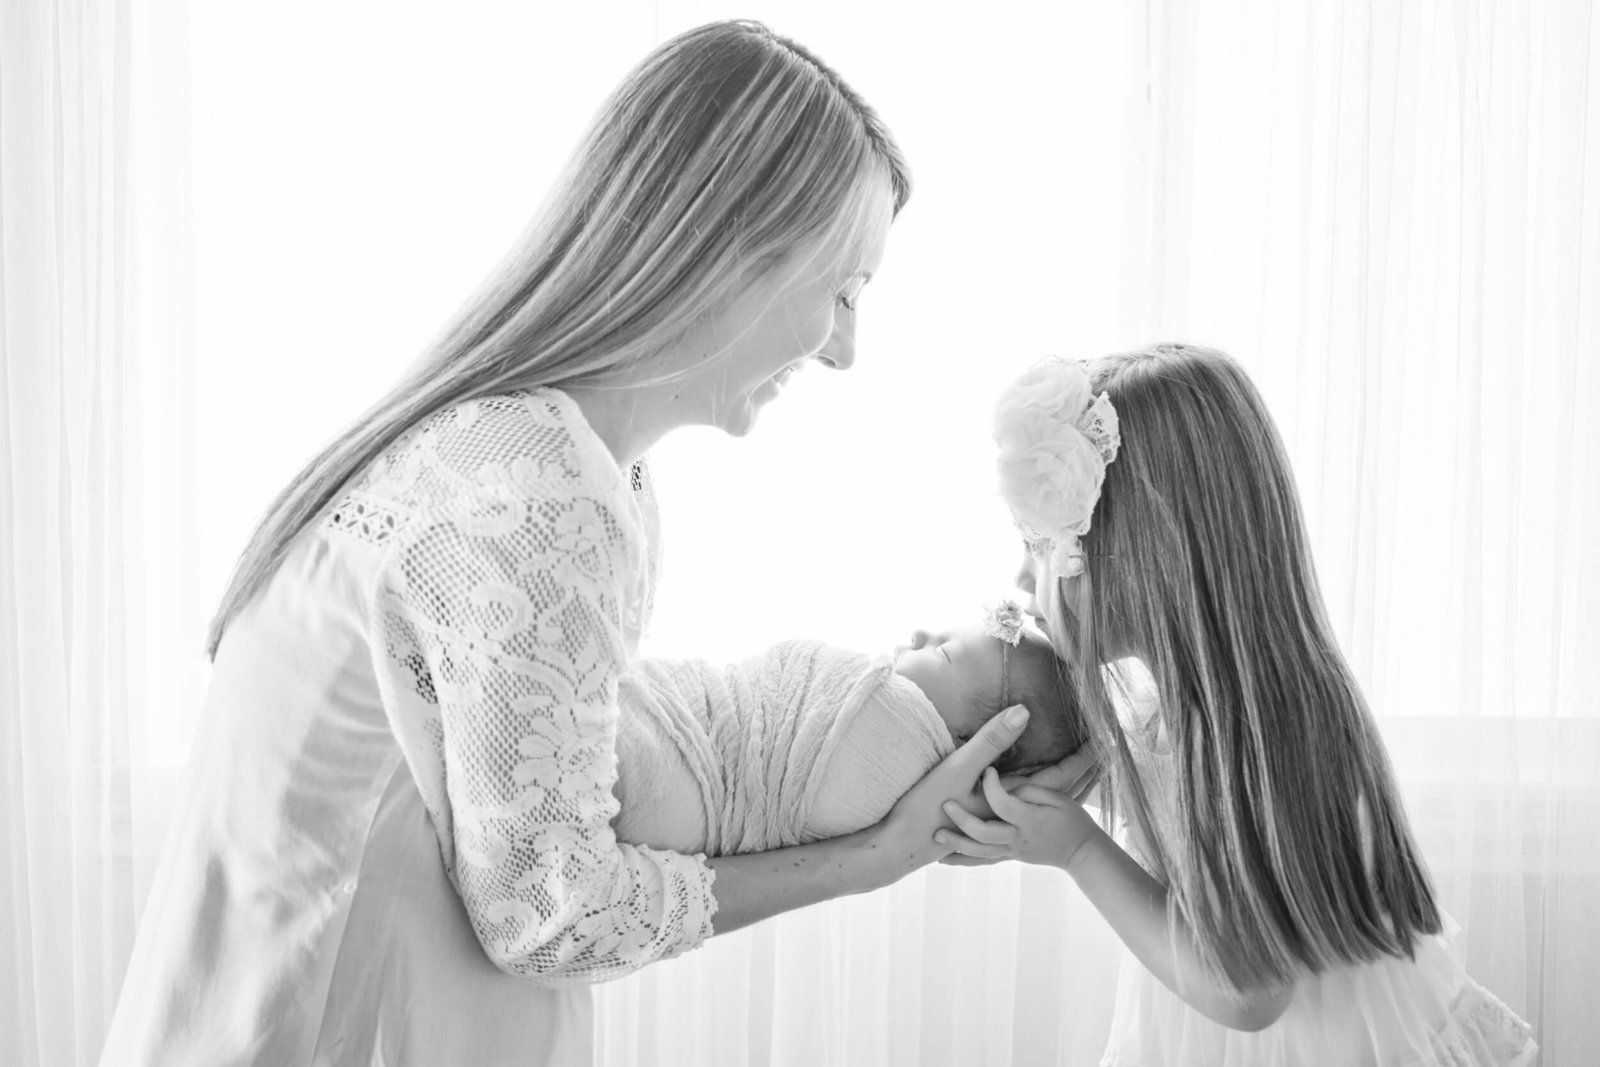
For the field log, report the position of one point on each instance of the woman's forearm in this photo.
(759, 885)
(1135, 905)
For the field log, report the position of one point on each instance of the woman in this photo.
(397, 845)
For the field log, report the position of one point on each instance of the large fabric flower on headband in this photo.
(1056, 439)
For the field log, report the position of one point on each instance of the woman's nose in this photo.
(840, 350)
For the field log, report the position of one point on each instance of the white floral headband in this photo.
(1056, 439)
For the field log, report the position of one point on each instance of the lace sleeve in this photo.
(502, 617)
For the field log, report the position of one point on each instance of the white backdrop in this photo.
(1387, 212)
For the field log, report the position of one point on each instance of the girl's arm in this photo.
(1041, 826)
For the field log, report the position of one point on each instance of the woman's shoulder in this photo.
(533, 444)
(495, 467)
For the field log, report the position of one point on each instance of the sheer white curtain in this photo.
(98, 598)
(1387, 212)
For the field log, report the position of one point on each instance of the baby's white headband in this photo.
(1056, 439)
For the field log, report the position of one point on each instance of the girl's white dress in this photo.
(396, 847)
(1423, 1012)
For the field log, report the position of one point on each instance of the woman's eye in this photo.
(848, 301)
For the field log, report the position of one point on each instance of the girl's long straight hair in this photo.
(723, 152)
(1289, 849)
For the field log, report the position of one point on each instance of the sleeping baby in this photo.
(809, 741)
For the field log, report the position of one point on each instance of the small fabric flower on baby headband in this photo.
(1056, 439)
(1004, 623)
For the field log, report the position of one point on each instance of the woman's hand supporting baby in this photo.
(758, 885)
(908, 830)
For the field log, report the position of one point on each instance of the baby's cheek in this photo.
(960, 730)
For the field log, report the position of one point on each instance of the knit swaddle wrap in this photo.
(803, 742)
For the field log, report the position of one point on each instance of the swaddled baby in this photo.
(809, 741)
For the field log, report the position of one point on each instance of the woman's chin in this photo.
(738, 418)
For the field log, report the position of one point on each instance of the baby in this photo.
(808, 741)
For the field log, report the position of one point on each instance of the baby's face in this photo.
(958, 671)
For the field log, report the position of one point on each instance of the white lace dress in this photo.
(396, 847)
(1420, 1012)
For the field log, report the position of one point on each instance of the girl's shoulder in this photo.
(1138, 703)
(1137, 700)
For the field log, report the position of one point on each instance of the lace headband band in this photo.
(1004, 623)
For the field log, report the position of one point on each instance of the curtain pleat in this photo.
(86, 266)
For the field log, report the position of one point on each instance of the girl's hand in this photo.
(1034, 825)
(1076, 776)
(906, 833)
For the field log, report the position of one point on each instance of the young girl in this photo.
(1275, 900)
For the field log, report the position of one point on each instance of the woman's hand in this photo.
(1033, 824)
(906, 833)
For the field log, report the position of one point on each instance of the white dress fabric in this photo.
(1421, 1012)
(397, 847)
(803, 742)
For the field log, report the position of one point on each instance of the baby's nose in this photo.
(919, 638)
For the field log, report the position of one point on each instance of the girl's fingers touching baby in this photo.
(1004, 804)
(1034, 794)
(985, 833)
(966, 846)
(1087, 784)
(1075, 774)
(956, 859)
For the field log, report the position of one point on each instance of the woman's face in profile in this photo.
(799, 312)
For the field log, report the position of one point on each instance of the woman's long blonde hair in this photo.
(1288, 849)
(725, 150)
